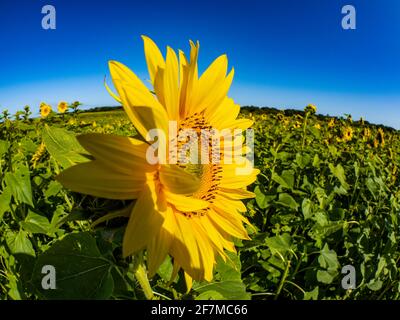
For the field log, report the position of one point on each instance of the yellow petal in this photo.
(123, 154)
(95, 179)
(154, 57)
(223, 114)
(185, 249)
(192, 81)
(206, 252)
(228, 204)
(159, 246)
(232, 177)
(142, 108)
(231, 226)
(236, 194)
(242, 124)
(183, 78)
(171, 90)
(209, 84)
(146, 219)
(185, 203)
(189, 282)
(176, 180)
(214, 97)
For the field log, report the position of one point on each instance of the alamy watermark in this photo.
(202, 146)
(49, 18)
(349, 20)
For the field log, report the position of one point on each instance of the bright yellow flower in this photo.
(297, 125)
(62, 107)
(366, 133)
(311, 108)
(72, 122)
(45, 110)
(381, 137)
(331, 123)
(317, 126)
(285, 122)
(189, 211)
(347, 134)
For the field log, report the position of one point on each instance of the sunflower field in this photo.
(327, 197)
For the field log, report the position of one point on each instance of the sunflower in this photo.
(331, 123)
(366, 133)
(297, 125)
(190, 211)
(310, 108)
(317, 126)
(347, 134)
(381, 137)
(62, 107)
(45, 110)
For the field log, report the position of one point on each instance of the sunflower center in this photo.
(209, 173)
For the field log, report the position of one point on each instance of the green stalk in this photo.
(282, 282)
(141, 276)
(304, 130)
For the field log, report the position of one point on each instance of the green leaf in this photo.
(286, 179)
(53, 188)
(81, 271)
(4, 145)
(36, 223)
(302, 160)
(229, 286)
(229, 269)
(328, 258)
(281, 243)
(311, 295)
(210, 295)
(229, 290)
(375, 284)
(63, 147)
(339, 173)
(19, 183)
(5, 199)
(165, 269)
(19, 243)
(287, 200)
(262, 199)
(326, 276)
(306, 208)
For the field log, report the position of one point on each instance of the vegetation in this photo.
(327, 197)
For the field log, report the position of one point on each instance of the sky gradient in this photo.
(286, 53)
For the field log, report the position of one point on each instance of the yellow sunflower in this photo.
(189, 211)
(62, 107)
(45, 110)
(366, 133)
(347, 134)
(297, 125)
(381, 137)
(317, 126)
(331, 123)
(310, 108)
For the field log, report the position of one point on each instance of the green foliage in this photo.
(322, 202)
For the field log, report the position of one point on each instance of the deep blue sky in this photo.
(285, 53)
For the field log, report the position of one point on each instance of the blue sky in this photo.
(286, 53)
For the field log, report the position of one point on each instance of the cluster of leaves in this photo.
(42, 224)
(322, 202)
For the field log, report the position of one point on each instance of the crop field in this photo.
(325, 217)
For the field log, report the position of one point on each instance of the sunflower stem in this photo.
(304, 131)
(141, 276)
